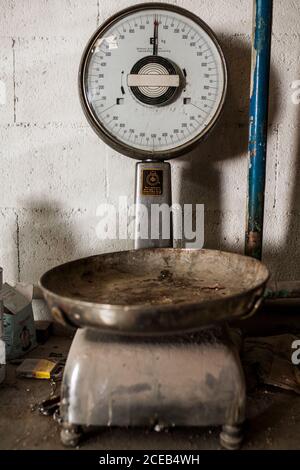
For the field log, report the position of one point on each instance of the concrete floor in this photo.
(274, 420)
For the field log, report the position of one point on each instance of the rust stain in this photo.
(254, 239)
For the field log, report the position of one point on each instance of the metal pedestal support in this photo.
(192, 380)
(153, 195)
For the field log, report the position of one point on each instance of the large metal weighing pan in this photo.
(154, 291)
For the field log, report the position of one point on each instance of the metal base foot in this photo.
(231, 437)
(70, 435)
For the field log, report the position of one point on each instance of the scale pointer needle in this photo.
(155, 37)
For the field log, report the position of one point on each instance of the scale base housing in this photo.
(192, 380)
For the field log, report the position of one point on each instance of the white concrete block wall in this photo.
(55, 171)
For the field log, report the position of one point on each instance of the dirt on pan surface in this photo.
(155, 277)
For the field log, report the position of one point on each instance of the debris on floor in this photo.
(50, 406)
(40, 369)
(269, 361)
(274, 418)
(43, 330)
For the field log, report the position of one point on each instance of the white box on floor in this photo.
(19, 327)
(2, 343)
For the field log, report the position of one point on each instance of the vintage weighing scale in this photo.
(152, 348)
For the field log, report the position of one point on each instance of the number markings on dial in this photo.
(170, 135)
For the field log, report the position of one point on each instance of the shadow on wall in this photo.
(286, 256)
(47, 238)
(201, 176)
(50, 235)
(290, 252)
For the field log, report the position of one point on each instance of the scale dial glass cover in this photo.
(153, 81)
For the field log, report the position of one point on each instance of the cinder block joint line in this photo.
(14, 79)
(18, 247)
(98, 13)
(276, 166)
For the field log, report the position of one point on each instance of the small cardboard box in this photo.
(2, 360)
(19, 327)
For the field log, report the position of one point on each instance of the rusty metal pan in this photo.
(154, 291)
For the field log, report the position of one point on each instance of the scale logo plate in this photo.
(152, 182)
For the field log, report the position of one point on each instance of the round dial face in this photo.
(153, 81)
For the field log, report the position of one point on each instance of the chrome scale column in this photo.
(153, 199)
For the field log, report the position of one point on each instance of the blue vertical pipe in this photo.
(259, 101)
